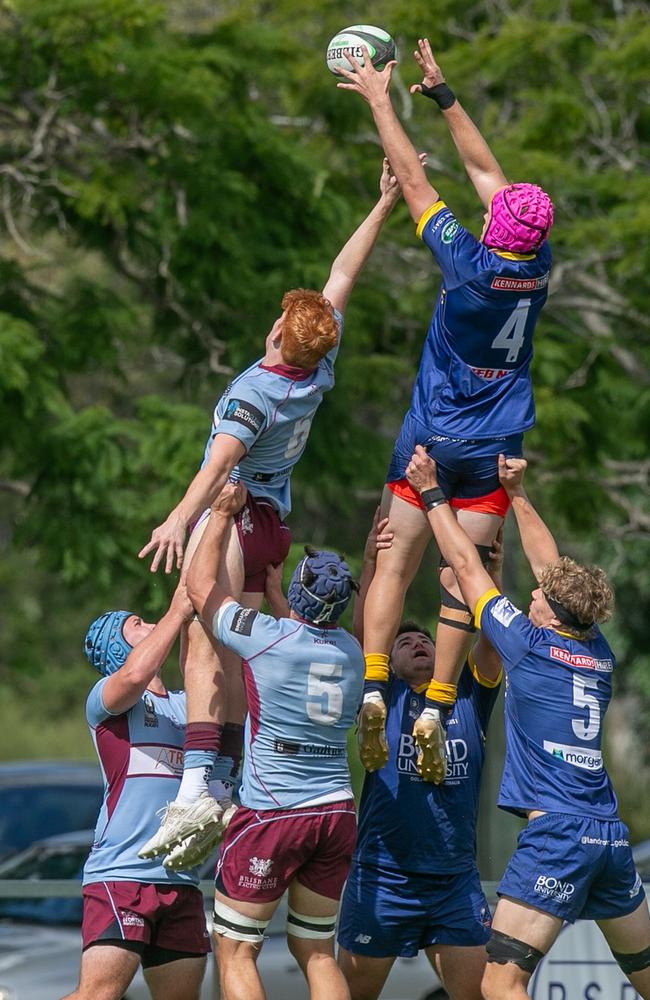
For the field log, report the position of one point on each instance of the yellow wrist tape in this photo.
(376, 667)
(445, 693)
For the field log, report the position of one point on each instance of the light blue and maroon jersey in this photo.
(270, 410)
(141, 757)
(303, 686)
(474, 377)
(558, 690)
(407, 823)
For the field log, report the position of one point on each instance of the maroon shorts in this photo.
(264, 539)
(263, 851)
(169, 917)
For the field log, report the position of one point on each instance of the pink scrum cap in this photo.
(521, 216)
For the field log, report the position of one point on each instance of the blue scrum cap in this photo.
(105, 645)
(321, 587)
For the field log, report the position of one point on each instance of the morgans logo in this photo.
(588, 760)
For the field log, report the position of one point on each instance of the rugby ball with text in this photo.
(379, 43)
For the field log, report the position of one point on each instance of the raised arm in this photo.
(537, 541)
(168, 539)
(349, 263)
(478, 159)
(405, 163)
(127, 685)
(455, 545)
(206, 593)
(380, 536)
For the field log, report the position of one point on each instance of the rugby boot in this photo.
(429, 735)
(198, 846)
(371, 732)
(179, 822)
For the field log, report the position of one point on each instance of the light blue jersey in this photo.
(270, 410)
(141, 756)
(303, 684)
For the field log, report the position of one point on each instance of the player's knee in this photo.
(633, 962)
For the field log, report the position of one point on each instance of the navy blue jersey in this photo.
(474, 377)
(411, 824)
(303, 687)
(557, 692)
(270, 410)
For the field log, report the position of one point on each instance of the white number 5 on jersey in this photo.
(299, 437)
(325, 701)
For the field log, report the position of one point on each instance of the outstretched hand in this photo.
(389, 186)
(168, 541)
(373, 85)
(231, 500)
(421, 470)
(432, 75)
(511, 473)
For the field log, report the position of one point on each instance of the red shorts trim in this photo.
(170, 917)
(264, 539)
(263, 851)
(496, 502)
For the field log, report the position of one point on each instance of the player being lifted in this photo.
(573, 861)
(259, 431)
(473, 394)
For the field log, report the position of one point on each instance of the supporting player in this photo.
(573, 861)
(414, 883)
(135, 912)
(473, 394)
(296, 825)
(259, 431)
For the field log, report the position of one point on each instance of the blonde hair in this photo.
(584, 591)
(309, 329)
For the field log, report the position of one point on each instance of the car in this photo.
(40, 943)
(42, 798)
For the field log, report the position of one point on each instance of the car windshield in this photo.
(33, 812)
(43, 862)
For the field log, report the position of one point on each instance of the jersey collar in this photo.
(288, 371)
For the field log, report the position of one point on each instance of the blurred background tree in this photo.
(169, 169)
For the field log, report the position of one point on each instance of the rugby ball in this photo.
(379, 43)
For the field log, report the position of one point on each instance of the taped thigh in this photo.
(503, 950)
(231, 924)
(303, 926)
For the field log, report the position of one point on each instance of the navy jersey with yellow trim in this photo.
(558, 690)
(474, 379)
(408, 823)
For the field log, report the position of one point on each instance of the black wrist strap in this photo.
(441, 94)
(431, 498)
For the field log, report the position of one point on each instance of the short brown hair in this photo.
(309, 329)
(584, 591)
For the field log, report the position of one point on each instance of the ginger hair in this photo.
(309, 330)
(585, 591)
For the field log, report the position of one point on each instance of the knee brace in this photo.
(633, 962)
(236, 926)
(503, 949)
(310, 927)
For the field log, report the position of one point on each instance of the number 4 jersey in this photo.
(474, 379)
(558, 689)
(270, 410)
(303, 688)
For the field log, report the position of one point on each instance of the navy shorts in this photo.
(386, 914)
(467, 470)
(575, 868)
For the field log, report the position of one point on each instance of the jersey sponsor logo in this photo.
(314, 749)
(166, 761)
(582, 661)
(260, 875)
(457, 759)
(503, 284)
(588, 760)
(260, 866)
(242, 622)
(244, 413)
(130, 919)
(504, 611)
(150, 718)
(604, 842)
(490, 374)
(449, 231)
(548, 885)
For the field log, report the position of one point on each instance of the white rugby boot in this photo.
(179, 822)
(198, 846)
(429, 735)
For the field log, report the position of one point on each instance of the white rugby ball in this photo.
(379, 43)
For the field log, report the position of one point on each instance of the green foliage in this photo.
(169, 171)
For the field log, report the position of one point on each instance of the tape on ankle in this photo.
(445, 694)
(203, 736)
(376, 667)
